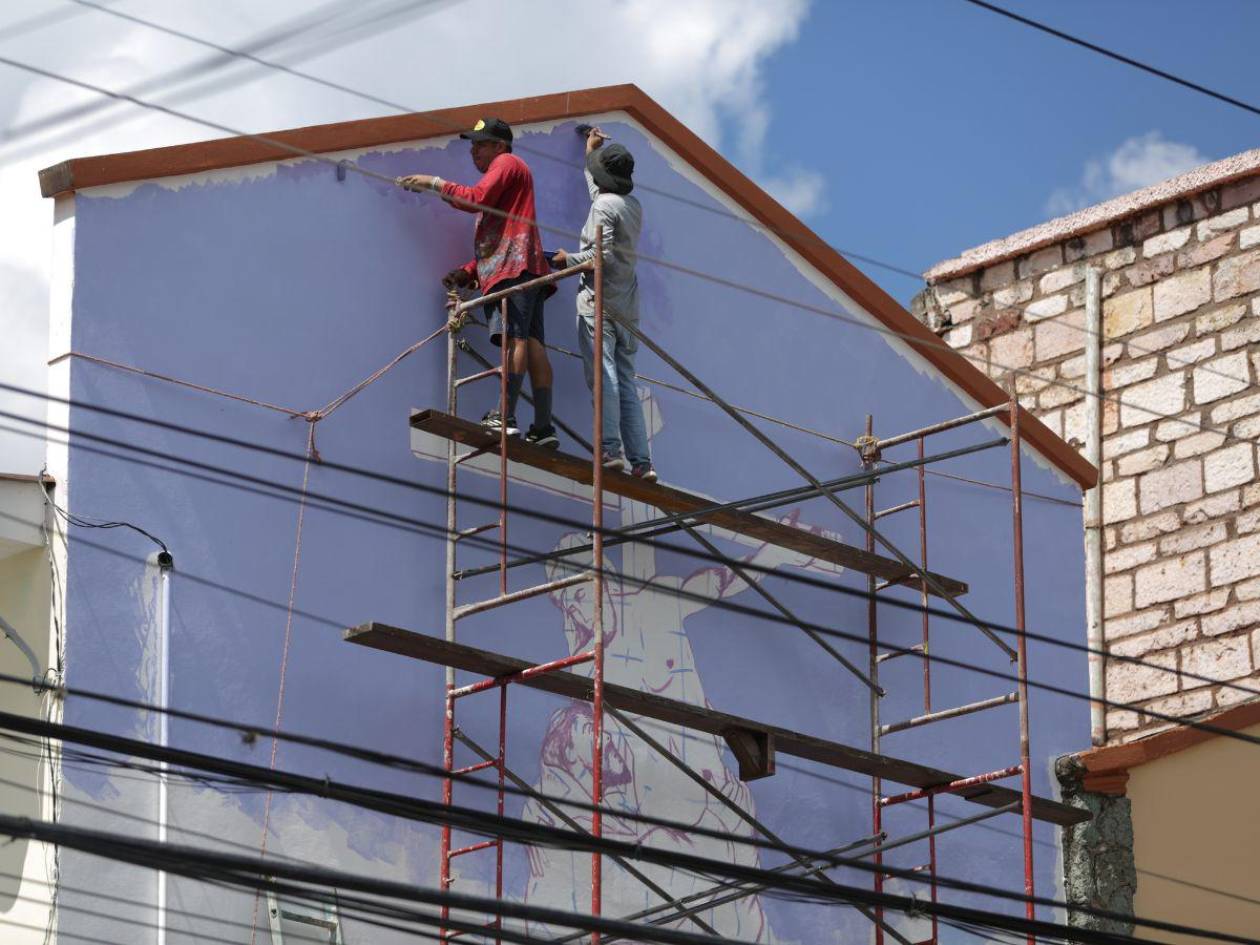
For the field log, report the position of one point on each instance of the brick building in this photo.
(1180, 317)
(1174, 329)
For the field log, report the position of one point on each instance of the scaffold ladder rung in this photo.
(467, 610)
(475, 530)
(472, 848)
(893, 654)
(905, 506)
(930, 717)
(951, 787)
(490, 372)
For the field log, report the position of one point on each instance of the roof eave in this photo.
(219, 153)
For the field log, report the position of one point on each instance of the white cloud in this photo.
(801, 190)
(701, 59)
(1138, 162)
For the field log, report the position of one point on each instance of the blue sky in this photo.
(943, 125)
(906, 130)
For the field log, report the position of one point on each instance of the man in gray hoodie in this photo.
(609, 172)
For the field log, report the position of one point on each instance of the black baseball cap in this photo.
(489, 129)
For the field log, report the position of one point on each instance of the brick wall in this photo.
(1181, 505)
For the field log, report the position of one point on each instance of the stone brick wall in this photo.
(1181, 496)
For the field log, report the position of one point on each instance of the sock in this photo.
(514, 384)
(542, 407)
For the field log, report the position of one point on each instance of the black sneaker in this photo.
(614, 461)
(644, 471)
(543, 436)
(492, 422)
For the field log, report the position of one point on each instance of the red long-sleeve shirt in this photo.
(503, 246)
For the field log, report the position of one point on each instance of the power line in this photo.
(913, 340)
(440, 531)
(482, 822)
(447, 126)
(1118, 57)
(452, 128)
(198, 863)
(827, 631)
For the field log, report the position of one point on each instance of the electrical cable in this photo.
(1118, 57)
(451, 128)
(199, 863)
(329, 25)
(482, 822)
(936, 658)
(1214, 681)
(137, 819)
(438, 530)
(913, 339)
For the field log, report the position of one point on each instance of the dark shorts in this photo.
(525, 311)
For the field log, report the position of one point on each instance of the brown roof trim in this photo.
(1197, 180)
(235, 152)
(1107, 769)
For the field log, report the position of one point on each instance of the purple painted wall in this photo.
(291, 287)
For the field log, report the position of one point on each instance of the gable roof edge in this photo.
(219, 153)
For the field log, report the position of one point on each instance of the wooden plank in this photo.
(671, 500)
(430, 649)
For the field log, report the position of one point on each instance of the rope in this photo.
(312, 417)
(284, 667)
(289, 411)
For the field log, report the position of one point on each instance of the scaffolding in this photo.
(753, 743)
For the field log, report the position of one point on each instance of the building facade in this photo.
(1179, 267)
(1177, 574)
(274, 283)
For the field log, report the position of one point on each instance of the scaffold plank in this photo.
(431, 649)
(671, 500)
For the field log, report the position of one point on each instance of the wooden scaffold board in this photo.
(672, 501)
(570, 685)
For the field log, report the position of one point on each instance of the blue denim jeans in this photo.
(623, 414)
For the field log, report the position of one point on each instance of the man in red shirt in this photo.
(507, 251)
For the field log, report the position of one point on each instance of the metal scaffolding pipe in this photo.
(742, 814)
(876, 846)
(773, 601)
(467, 610)
(809, 477)
(597, 580)
(951, 787)
(668, 524)
(929, 717)
(503, 294)
(942, 426)
(1017, 518)
(573, 824)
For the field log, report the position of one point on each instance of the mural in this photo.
(284, 284)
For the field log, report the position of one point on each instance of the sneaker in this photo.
(614, 461)
(543, 436)
(644, 471)
(492, 422)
